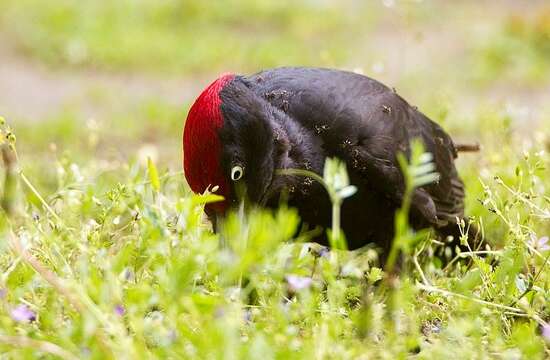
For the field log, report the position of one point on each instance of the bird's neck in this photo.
(295, 146)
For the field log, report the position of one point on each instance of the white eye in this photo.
(237, 173)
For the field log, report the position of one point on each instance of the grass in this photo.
(122, 258)
(105, 252)
(518, 51)
(186, 37)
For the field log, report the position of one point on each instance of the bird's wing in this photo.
(367, 124)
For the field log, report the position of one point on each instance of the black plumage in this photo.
(297, 117)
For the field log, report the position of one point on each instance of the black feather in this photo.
(296, 117)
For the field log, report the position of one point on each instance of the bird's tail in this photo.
(464, 147)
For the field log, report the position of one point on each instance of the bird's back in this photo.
(366, 123)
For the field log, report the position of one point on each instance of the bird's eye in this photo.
(237, 172)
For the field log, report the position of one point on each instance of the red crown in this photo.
(201, 143)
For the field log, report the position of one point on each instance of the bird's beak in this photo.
(242, 202)
(240, 191)
(214, 220)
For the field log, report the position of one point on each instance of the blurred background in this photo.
(107, 83)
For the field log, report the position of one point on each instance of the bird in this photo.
(242, 129)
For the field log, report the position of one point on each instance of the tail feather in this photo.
(473, 147)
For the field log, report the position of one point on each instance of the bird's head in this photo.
(231, 142)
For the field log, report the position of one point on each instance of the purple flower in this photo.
(3, 293)
(119, 310)
(128, 275)
(22, 313)
(247, 316)
(219, 312)
(172, 335)
(297, 283)
(541, 244)
(546, 332)
(319, 251)
(324, 252)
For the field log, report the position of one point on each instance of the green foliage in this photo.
(335, 180)
(164, 35)
(520, 50)
(418, 171)
(131, 270)
(153, 174)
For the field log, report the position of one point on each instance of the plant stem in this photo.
(401, 228)
(10, 182)
(306, 173)
(40, 345)
(37, 194)
(479, 301)
(336, 230)
(336, 235)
